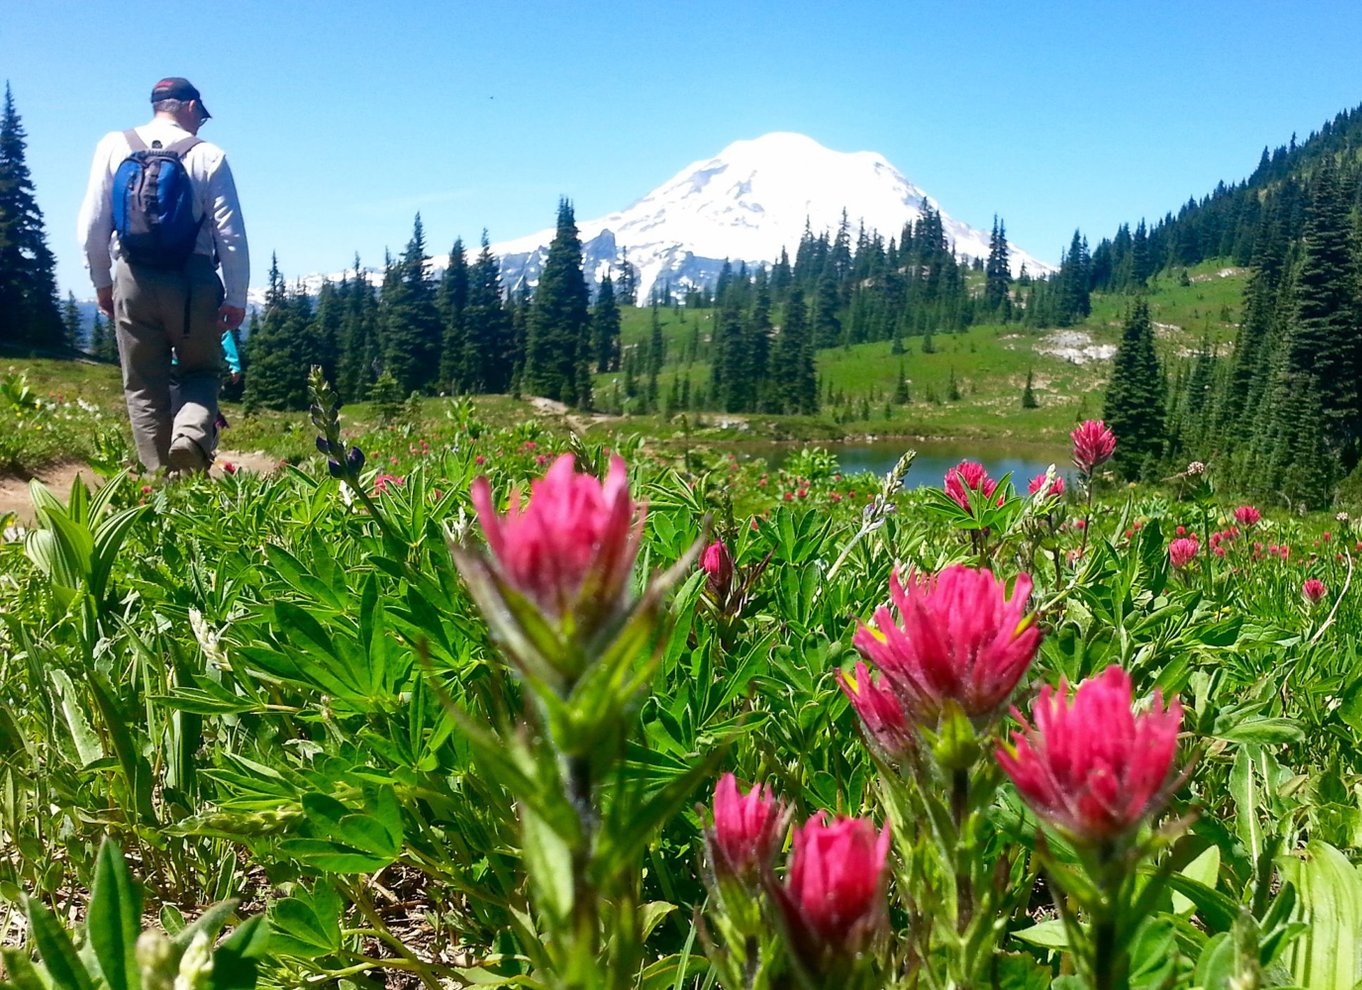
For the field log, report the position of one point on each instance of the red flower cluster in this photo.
(384, 481)
(1313, 591)
(1094, 445)
(1247, 515)
(1055, 490)
(833, 899)
(747, 831)
(961, 639)
(1090, 766)
(1183, 551)
(966, 477)
(573, 545)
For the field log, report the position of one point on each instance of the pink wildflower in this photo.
(572, 548)
(886, 724)
(966, 477)
(384, 481)
(1090, 766)
(1181, 552)
(1313, 590)
(748, 829)
(717, 564)
(1094, 444)
(1247, 515)
(1055, 490)
(833, 898)
(960, 639)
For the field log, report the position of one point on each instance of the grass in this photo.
(989, 364)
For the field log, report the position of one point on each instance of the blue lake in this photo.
(934, 458)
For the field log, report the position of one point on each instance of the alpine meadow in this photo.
(537, 626)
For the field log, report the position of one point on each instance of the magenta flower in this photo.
(1313, 591)
(1090, 766)
(1182, 552)
(717, 564)
(747, 831)
(887, 726)
(961, 639)
(966, 477)
(1247, 515)
(833, 898)
(572, 548)
(1055, 490)
(1094, 444)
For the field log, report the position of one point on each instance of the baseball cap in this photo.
(177, 88)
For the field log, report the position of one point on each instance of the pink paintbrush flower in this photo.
(887, 726)
(1055, 490)
(1090, 766)
(966, 477)
(833, 898)
(1183, 551)
(1094, 444)
(1247, 515)
(747, 831)
(1313, 591)
(717, 564)
(571, 549)
(961, 639)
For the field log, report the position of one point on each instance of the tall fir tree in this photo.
(277, 349)
(30, 313)
(998, 273)
(492, 351)
(410, 321)
(558, 351)
(73, 327)
(451, 302)
(605, 327)
(1134, 407)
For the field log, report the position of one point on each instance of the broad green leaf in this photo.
(115, 919)
(88, 746)
(1328, 955)
(54, 945)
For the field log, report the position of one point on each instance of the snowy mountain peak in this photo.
(746, 204)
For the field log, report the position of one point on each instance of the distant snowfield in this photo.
(1074, 346)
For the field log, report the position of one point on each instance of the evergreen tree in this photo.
(1028, 399)
(902, 395)
(605, 327)
(626, 289)
(450, 303)
(493, 353)
(998, 273)
(73, 328)
(103, 345)
(29, 310)
(1134, 407)
(794, 383)
(558, 351)
(656, 349)
(359, 359)
(276, 350)
(411, 328)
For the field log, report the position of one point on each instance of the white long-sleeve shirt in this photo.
(223, 236)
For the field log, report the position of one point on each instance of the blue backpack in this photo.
(153, 204)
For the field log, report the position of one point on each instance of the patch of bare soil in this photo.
(14, 492)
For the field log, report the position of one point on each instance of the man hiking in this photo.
(160, 215)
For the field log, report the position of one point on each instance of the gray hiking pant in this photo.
(160, 315)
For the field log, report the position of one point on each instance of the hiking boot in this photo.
(186, 456)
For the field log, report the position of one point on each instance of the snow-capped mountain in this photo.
(744, 205)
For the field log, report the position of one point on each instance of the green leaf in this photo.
(297, 930)
(1328, 955)
(88, 746)
(1247, 797)
(236, 961)
(548, 861)
(54, 945)
(23, 975)
(1046, 935)
(115, 919)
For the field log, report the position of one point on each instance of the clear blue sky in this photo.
(343, 119)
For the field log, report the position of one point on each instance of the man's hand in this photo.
(230, 317)
(104, 297)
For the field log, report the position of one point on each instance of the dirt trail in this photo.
(14, 494)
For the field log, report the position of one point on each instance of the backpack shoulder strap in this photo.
(184, 145)
(134, 141)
